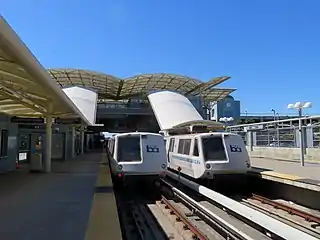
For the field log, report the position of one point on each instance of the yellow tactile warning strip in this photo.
(104, 222)
(281, 175)
(285, 177)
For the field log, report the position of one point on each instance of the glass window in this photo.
(129, 149)
(213, 149)
(4, 143)
(111, 146)
(212, 113)
(24, 142)
(171, 145)
(195, 148)
(180, 147)
(186, 148)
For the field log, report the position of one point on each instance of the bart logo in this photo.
(152, 148)
(235, 148)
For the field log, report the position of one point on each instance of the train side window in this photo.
(112, 147)
(171, 145)
(195, 148)
(186, 147)
(180, 146)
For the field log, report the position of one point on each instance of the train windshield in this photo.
(213, 148)
(129, 149)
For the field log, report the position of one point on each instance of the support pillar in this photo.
(301, 137)
(47, 165)
(82, 141)
(73, 134)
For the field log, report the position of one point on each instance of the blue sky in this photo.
(270, 48)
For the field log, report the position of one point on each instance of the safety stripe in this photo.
(284, 176)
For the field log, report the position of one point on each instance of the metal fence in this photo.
(283, 133)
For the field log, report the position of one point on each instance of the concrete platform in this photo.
(104, 221)
(39, 206)
(287, 172)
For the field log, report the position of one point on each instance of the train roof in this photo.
(208, 123)
(202, 134)
(136, 133)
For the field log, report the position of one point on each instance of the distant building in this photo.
(262, 118)
(227, 107)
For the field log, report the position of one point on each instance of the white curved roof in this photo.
(172, 109)
(112, 87)
(26, 88)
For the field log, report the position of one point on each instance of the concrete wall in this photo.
(312, 154)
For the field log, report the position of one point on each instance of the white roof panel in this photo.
(26, 88)
(172, 109)
(85, 100)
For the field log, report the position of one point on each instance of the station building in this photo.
(122, 103)
(40, 122)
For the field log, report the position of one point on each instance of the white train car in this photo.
(137, 156)
(206, 155)
(200, 149)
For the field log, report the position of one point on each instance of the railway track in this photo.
(185, 214)
(303, 220)
(136, 219)
(307, 216)
(180, 218)
(207, 221)
(143, 217)
(248, 220)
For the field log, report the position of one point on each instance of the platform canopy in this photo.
(26, 88)
(111, 87)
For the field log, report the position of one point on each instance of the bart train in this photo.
(136, 157)
(199, 148)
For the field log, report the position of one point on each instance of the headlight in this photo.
(208, 166)
(163, 166)
(120, 167)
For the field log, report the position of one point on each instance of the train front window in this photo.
(213, 149)
(129, 149)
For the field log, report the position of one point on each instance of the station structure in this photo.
(34, 100)
(29, 91)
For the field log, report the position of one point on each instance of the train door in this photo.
(170, 150)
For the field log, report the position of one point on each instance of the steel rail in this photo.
(307, 216)
(229, 230)
(197, 233)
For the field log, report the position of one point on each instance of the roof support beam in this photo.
(20, 93)
(205, 86)
(22, 79)
(214, 82)
(119, 89)
(13, 95)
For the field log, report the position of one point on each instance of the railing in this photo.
(283, 133)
